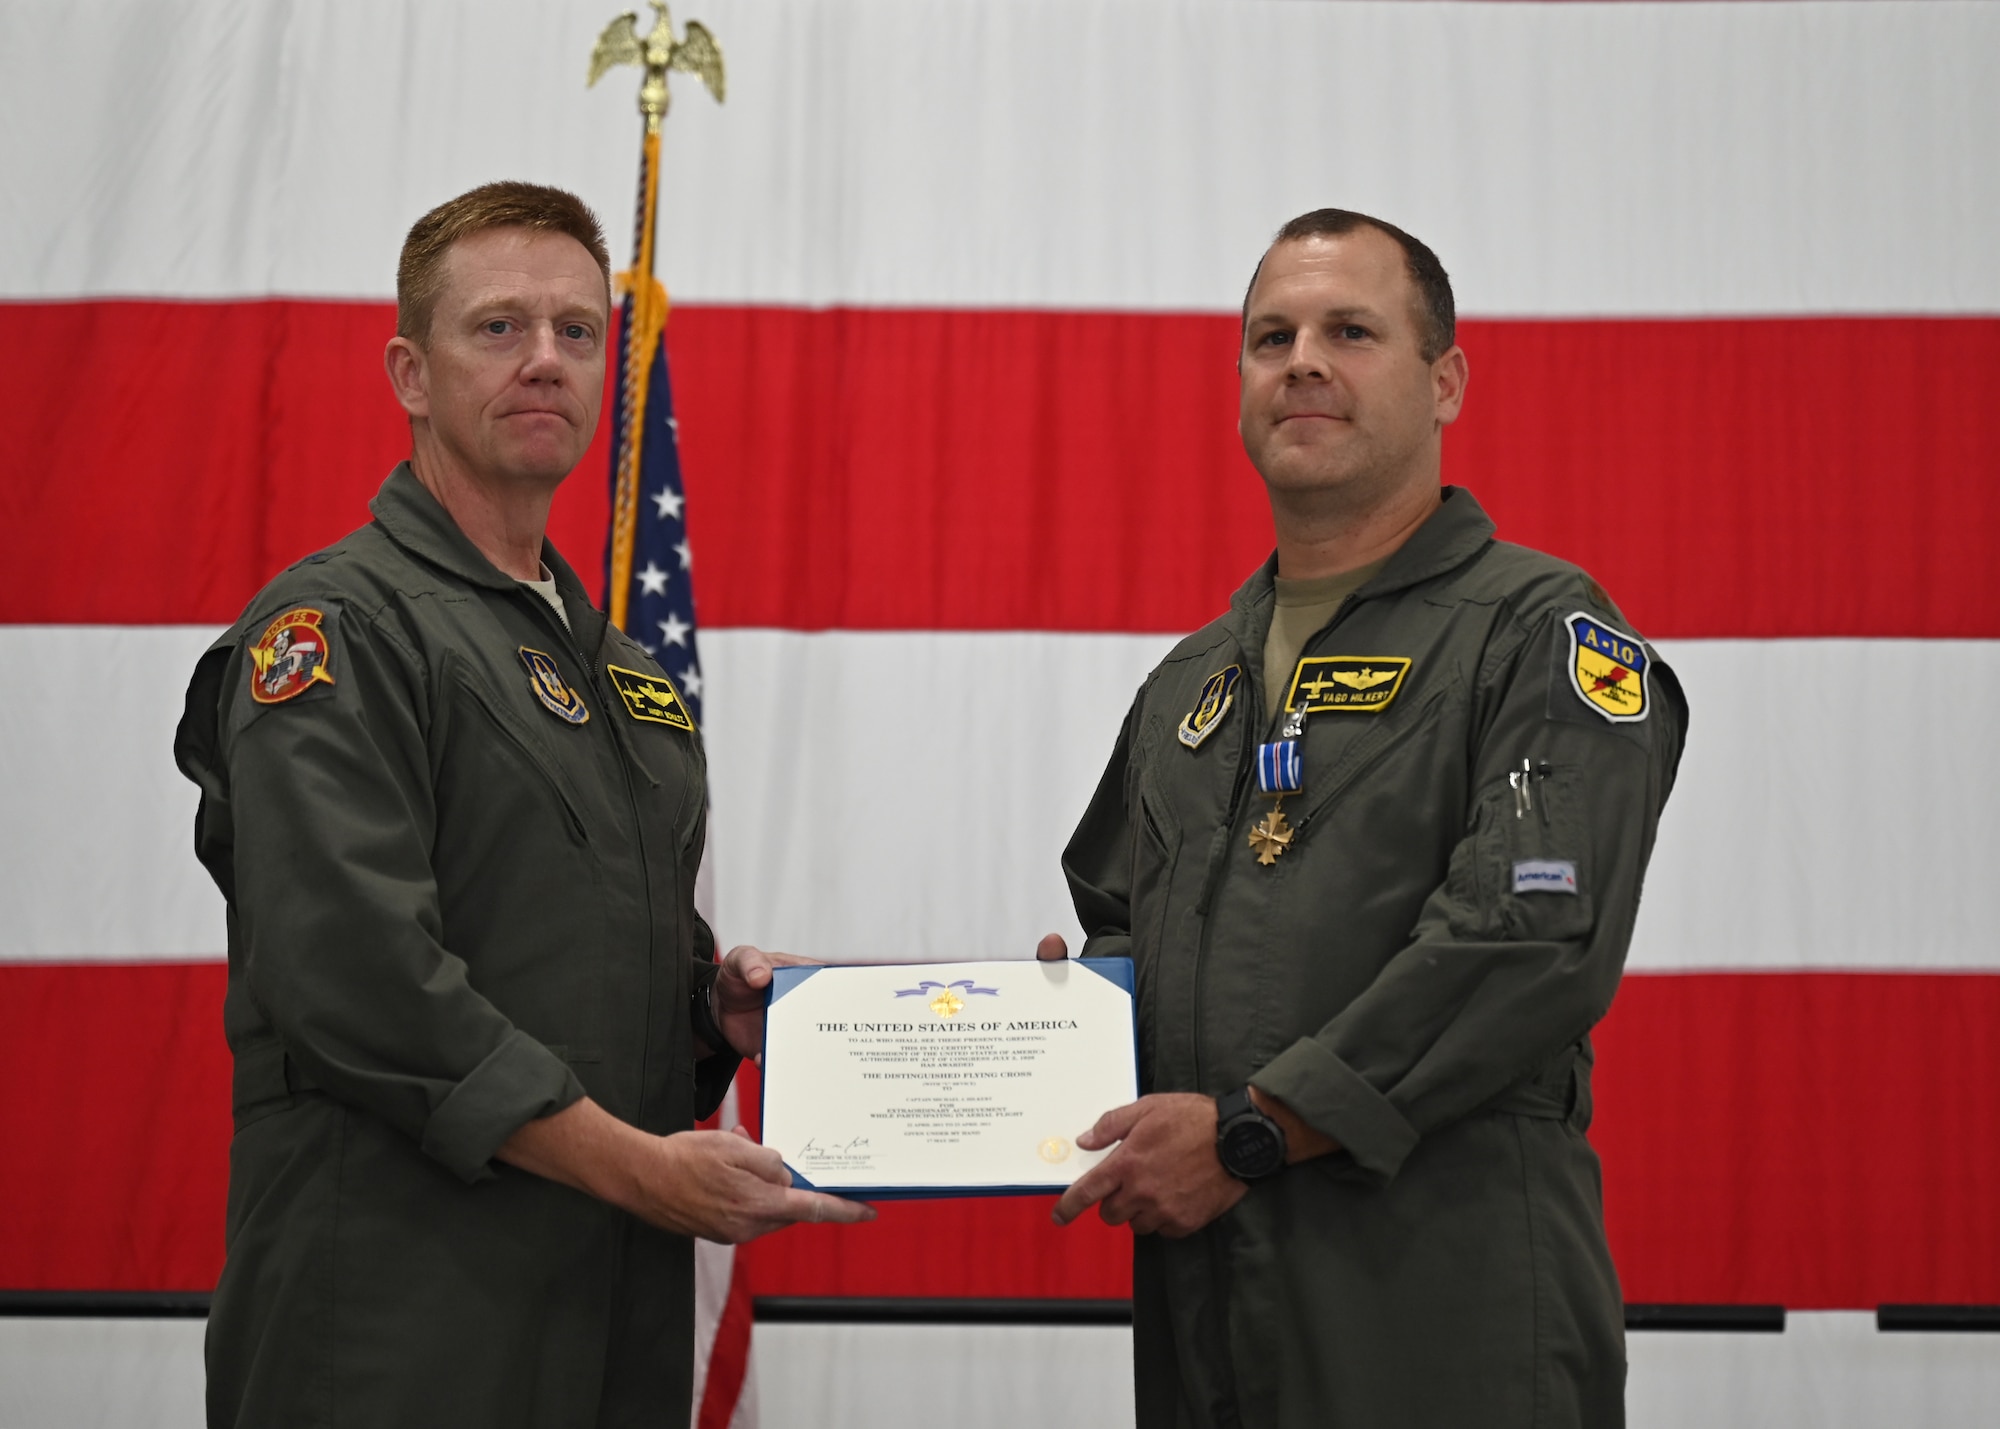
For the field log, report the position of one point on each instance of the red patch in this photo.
(290, 657)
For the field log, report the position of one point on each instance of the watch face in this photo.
(1250, 1149)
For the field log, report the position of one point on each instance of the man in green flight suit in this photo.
(456, 816)
(1375, 840)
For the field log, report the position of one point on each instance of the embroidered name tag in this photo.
(1545, 875)
(652, 698)
(1347, 684)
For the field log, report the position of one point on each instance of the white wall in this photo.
(1827, 1371)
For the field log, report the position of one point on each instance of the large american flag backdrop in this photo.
(952, 349)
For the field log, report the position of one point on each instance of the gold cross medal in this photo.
(1280, 771)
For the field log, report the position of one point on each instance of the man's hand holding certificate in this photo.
(945, 1079)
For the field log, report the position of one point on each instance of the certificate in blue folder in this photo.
(945, 1079)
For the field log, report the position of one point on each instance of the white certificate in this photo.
(945, 1079)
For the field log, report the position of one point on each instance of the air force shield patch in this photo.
(1608, 669)
(1209, 708)
(545, 679)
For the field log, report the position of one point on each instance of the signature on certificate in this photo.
(816, 1151)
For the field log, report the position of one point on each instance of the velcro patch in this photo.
(1216, 693)
(651, 698)
(1545, 875)
(291, 656)
(1346, 684)
(545, 679)
(1607, 669)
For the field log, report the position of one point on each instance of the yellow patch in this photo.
(1607, 669)
(1347, 684)
(652, 698)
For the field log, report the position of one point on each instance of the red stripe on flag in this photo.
(1036, 470)
(1818, 1140)
(729, 1356)
(116, 1126)
(1821, 1141)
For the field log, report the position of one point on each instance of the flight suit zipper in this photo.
(1241, 809)
(627, 757)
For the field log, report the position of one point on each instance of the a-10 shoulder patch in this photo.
(651, 698)
(1607, 669)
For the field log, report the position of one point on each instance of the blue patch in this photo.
(1217, 691)
(550, 688)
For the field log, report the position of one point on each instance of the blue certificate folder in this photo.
(787, 980)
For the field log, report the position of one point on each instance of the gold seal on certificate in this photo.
(945, 1079)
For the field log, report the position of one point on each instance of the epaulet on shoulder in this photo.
(1540, 585)
(1199, 644)
(328, 574)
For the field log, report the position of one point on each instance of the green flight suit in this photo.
(1387, 981)
(453, 906)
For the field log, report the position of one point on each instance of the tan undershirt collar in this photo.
(1302, 611)
(546, 589)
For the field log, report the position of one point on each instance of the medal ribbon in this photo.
(1279, 767)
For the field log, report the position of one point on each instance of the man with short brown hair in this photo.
(457, 817)
(1374, 839)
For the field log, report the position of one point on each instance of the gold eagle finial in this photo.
(695, 53)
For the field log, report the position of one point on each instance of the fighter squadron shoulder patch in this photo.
(1346, 684)
(1607, 669)
(1216, 693)
(651, 698)
(551, 689)
(291, 656)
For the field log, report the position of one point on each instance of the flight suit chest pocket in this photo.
(657, 727)
(1530, 874)
(521, 892)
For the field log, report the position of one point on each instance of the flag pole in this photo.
(645, 299)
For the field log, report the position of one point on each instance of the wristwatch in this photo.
(1248, 1143)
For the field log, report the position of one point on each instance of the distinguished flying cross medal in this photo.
(549, 687)
(1216, 693)
(1280, 771)
(290, 657)
(651, 698)
(1607, 669)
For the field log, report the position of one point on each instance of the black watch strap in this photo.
(1249, 1144)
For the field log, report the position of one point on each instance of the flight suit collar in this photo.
(1456, 532)
(405, 508)
(414, 520)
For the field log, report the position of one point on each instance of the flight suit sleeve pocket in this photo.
(1154, 854)
(1523, 874)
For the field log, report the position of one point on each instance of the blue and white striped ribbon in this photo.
(1279, 768)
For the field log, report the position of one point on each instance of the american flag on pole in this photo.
(654, 603)
(649, 587)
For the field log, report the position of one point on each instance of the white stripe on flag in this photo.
(908, 795)
(1609, 160)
